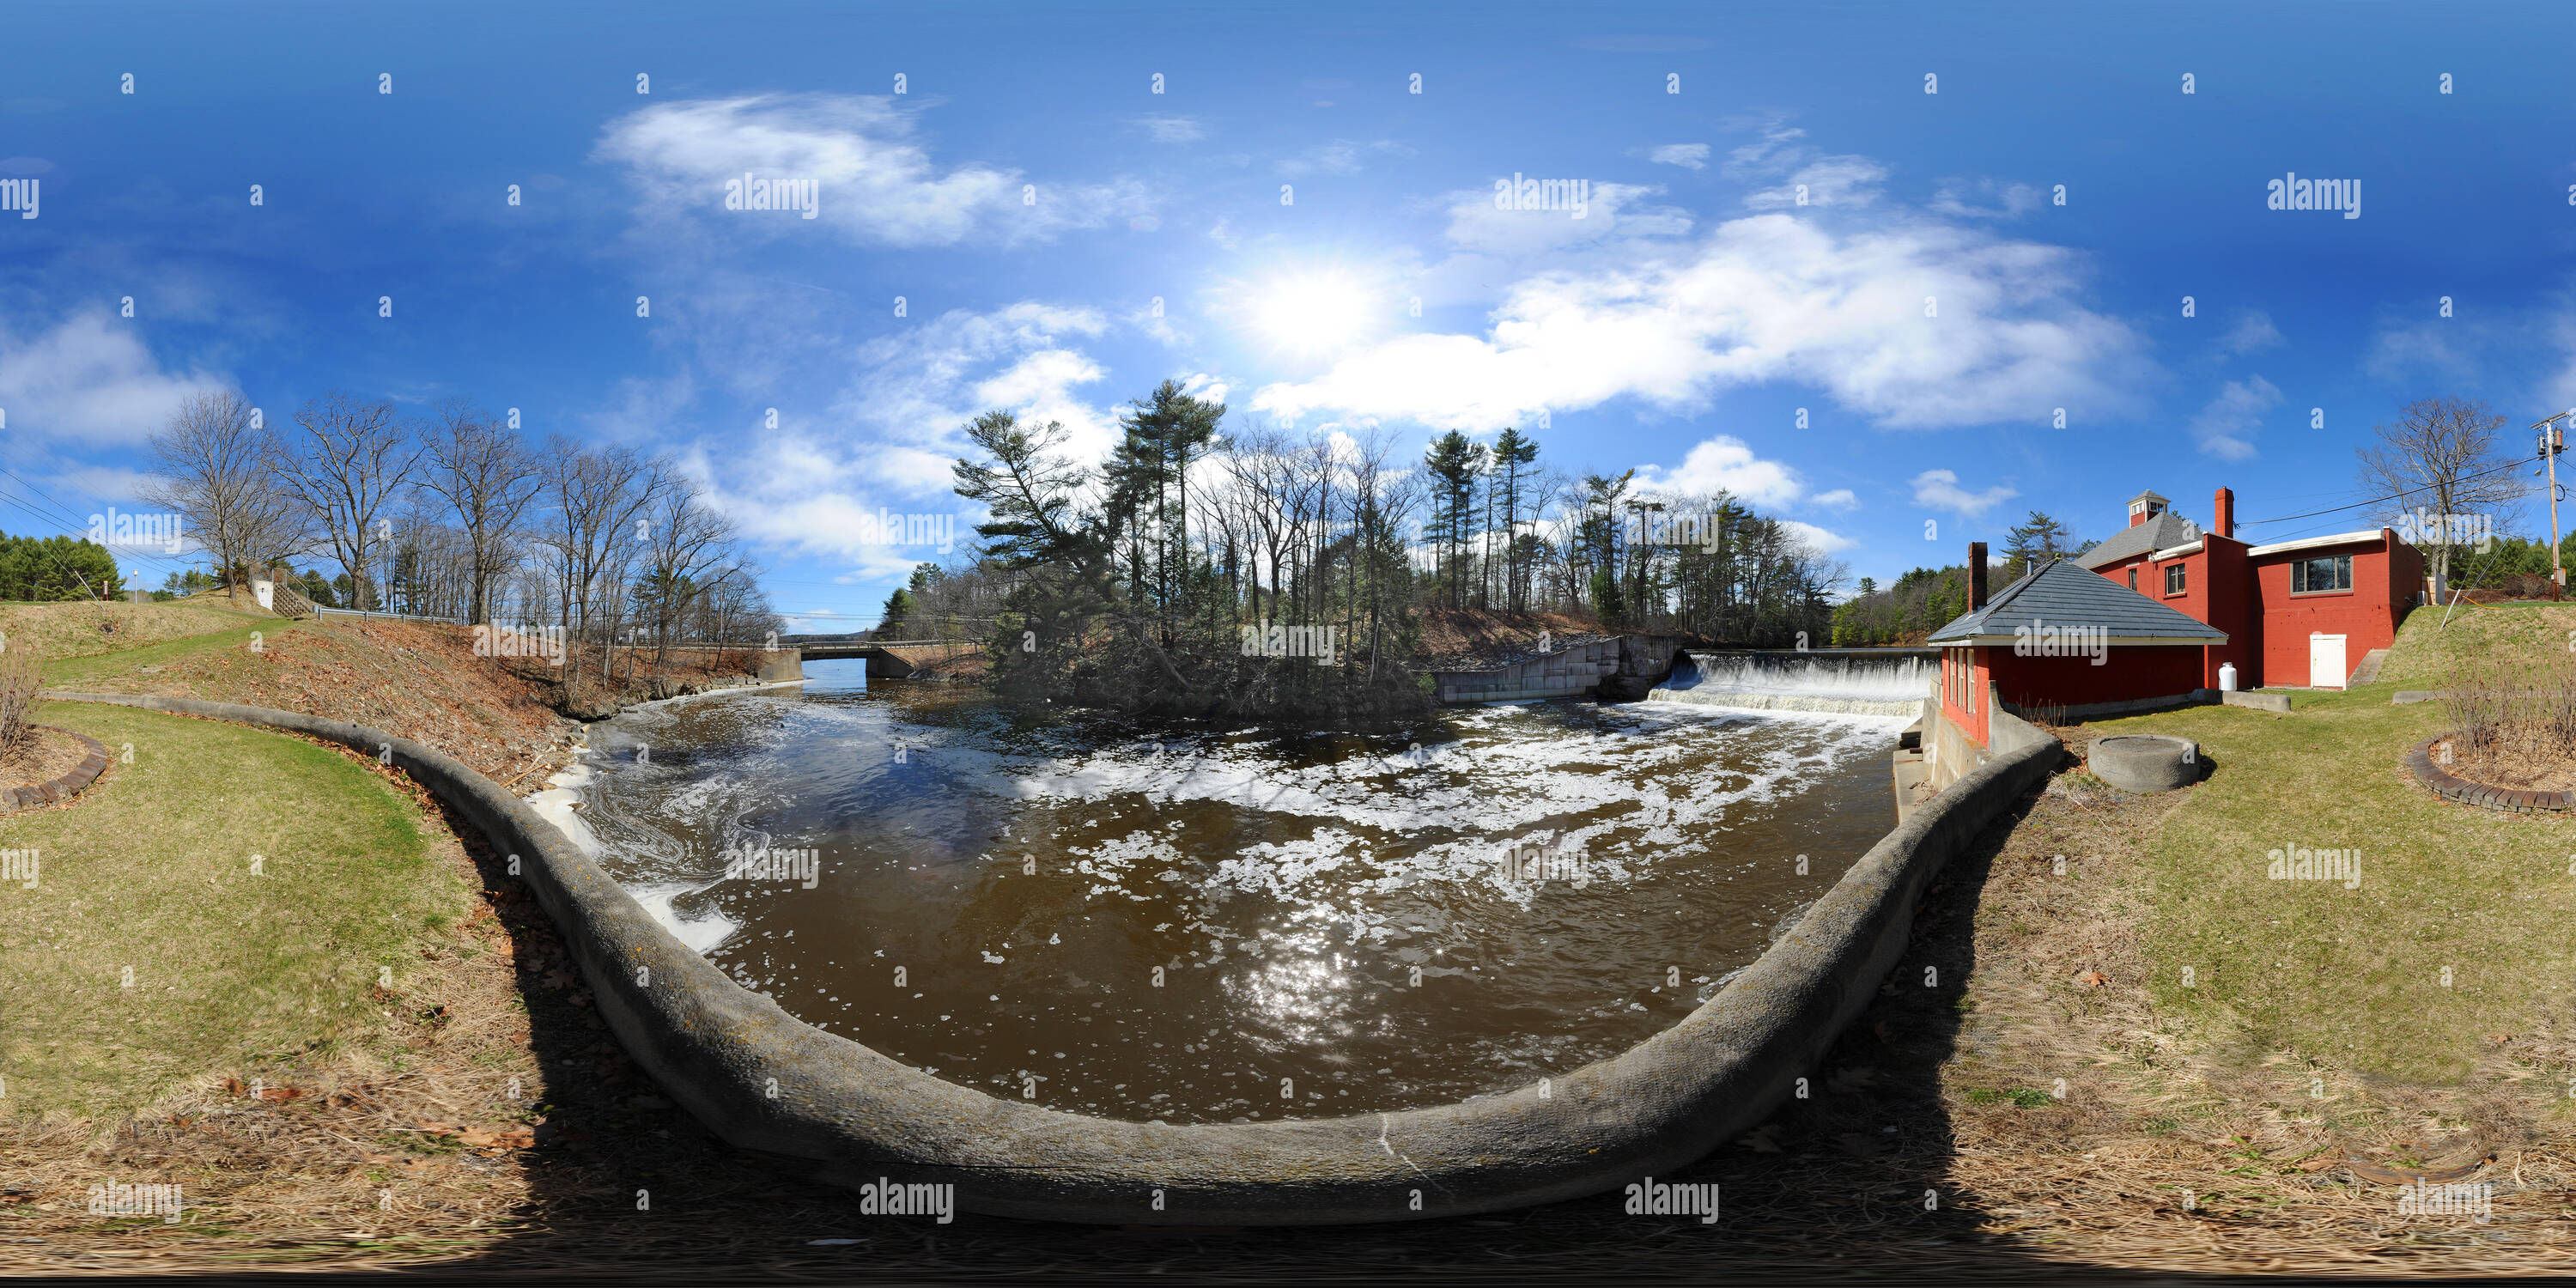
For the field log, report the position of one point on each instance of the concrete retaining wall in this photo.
(763, 1080)
(1949, 754)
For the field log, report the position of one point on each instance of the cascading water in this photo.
(1877, 682)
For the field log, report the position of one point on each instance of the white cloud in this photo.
(90, 380)
(1985, 199)
(1940, 490)
(1840, 498)
(1611, 212)
(889, 442)
(1341, 156)
(2226, 425)
(1825, 542)
(1726, 464)
(1761, 298)
(1689, 156)
(1172, 129)
(2252, 333)
(876, 184)
(1786, 165)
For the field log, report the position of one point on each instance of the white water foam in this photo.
(555, 804)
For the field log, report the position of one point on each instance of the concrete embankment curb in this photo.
(763, 1080)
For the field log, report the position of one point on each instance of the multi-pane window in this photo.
(2323, 573)
(1958, 674)
(2173, 579)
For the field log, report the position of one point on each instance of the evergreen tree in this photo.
(890, 619)
(2033, 544)
(1453, 463)
(1513, 453)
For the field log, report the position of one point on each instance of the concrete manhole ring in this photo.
(2145, 762)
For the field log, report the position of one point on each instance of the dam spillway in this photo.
(1841, 681)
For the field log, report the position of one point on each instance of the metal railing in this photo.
(393, 617)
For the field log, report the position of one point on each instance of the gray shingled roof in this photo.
(2163, 532)
(2063, 595)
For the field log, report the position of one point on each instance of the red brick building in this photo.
(2148, 618)
(2297, 613)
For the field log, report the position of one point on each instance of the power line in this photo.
(2250, 523)
(70, 521)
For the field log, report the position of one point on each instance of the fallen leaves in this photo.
(475, 1137)
(2093, 979)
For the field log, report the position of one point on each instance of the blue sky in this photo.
(1030, 197)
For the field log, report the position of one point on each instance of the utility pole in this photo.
(2553, 440)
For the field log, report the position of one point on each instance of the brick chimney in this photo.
(2222, 513)
(1976, 575)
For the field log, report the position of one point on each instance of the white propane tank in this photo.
(2227, 677)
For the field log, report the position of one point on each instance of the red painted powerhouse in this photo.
(2188, 602)
(2272, 600)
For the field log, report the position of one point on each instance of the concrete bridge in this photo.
(887, 659)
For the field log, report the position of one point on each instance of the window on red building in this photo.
(2133, 576)
(2320, 575)
(2174, 580)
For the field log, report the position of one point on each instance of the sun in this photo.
(1314, 312)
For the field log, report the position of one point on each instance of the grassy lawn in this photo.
(153, 954)
(2355, 979)
(72, 630)
(226, 634)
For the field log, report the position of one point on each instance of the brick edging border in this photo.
(13, 799)
(2509, 799)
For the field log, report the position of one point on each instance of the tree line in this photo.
(48, 569)
(1163, 568)
(455, 515)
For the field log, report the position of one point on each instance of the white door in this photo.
(2325, 662)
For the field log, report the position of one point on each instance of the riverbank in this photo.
(512, 719)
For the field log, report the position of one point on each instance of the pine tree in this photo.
(1513, 452)
(2033, 545)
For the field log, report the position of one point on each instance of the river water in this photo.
(1338, 924)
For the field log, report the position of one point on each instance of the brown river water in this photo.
(1341, 923)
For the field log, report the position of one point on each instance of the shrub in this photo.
(2511, 710)
(19, 681)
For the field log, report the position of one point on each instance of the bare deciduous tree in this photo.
(489, 478)
(213, 471)
(2443, 454)
(345, 464)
